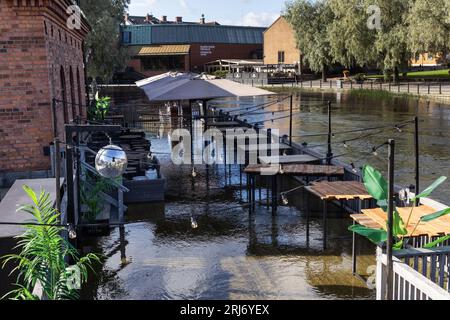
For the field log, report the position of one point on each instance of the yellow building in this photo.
(429, 60)
(280, 47)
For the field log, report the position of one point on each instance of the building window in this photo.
(126, 37)
(64, 95)
(163, 63)
(80, 98)
(45, 28)
(72, 94)
(430, 57)
(280, 57)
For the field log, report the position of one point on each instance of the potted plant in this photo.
(377, 187)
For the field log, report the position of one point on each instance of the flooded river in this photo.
(231, 255)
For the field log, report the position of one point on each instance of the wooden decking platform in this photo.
(294, 159)
(301, 170)
(339, 190)
(264, 147)
(377, 218)
(15, 198)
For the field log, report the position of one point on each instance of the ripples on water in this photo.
(232, 256)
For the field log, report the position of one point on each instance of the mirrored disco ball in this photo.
(111, 162)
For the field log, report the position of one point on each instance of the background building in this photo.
(40, 59)
(430, 60)
(280, 47)
(159, 45)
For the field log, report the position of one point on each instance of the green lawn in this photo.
(438, 74)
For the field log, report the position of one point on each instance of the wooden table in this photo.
(377, 218)
(301, 170)
(292, 170)
(425, 231)
(331, 191)
(294, 159)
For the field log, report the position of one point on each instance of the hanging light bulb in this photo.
(280, 170)
(375, 152)
(194, 224)
(284, 199)
(345, 144)
(398, 129)
(72, 232)
(194, 174)
(284, 153)
(150, 156)
(353, 168)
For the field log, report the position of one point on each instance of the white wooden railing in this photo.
(419, 274)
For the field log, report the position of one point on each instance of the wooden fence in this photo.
(419, 274)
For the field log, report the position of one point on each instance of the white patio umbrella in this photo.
(189, 86)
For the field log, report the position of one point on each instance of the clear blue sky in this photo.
(237, 12)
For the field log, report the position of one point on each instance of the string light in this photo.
(345, 144)
(194, 174)
(354, 168)
(284, 199)
(281, 171)
(194, 224)
(72, 232)
(398, 129)
(374, 151)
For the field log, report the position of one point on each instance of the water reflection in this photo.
(231, 255)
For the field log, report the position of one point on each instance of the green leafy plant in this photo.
(90, 193)
(377, 187)
(100, 107)
(43, 255)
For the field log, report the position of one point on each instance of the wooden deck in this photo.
(339, 190)
(264, 147)
(303, 170)
(377, 218)
(15, 198)
(294, 159)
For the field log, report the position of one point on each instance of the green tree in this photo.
(310, 21)
(391, 41)
(351, 40)
(429, 26)
(103, 42)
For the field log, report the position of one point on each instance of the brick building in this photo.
(41, 58)
(280, 46)
(159, 45)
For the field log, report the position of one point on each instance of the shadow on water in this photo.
(202, 244)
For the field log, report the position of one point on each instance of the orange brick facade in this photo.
(40, 59)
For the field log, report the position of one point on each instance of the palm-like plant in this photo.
(43, 255)
(377, 187)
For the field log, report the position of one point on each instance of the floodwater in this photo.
(231, 255)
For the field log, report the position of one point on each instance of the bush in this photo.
(220, 74)
(359, 77)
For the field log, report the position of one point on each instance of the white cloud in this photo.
(261, 19)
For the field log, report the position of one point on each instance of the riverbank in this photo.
(436, 92)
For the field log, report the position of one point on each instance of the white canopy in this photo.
(188, 86)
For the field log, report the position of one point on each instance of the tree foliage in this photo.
(310, 21)
(339, 31)
(429, 26)
(103, 42)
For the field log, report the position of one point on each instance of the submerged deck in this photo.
(15, 198)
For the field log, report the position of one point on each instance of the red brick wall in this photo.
(30, 60)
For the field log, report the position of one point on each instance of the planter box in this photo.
(145, 191)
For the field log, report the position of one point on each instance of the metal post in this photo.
(417, 151)
(269, 142)
(58, 174)
(69, 179)
(330, 133)
(325, 213)
(55, 118)
(290, 120)
(390, 240)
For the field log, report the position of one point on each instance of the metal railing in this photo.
(419, 274)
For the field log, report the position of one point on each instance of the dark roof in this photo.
(192, 33)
